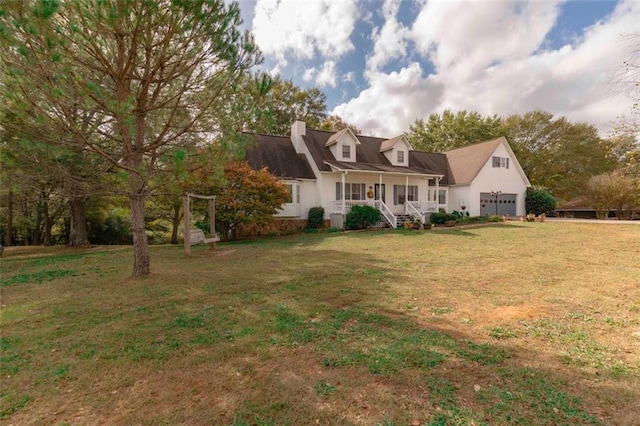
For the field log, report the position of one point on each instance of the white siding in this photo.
(490, 178)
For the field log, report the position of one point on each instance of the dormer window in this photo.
(346, 152)
(343, 145)
(396, 150)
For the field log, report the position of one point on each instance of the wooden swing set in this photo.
(196, 236)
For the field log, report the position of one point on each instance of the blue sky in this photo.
(385, 63)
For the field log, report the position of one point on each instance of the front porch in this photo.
(413, 210)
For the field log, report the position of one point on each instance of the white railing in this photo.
(417, 214)
(336, 205)
(387, 214)
(424, 206)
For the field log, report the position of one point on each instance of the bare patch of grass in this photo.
(513, 323)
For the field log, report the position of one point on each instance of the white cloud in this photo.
(392, 102)
(571, 80)
(327, 75)
(309, 74)
(493, 57)
(302, 28)
(349, 77)
(488, 56)
(463, 38)
(323, 77)
(390, 41)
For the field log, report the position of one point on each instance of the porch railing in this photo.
(387, 214)
(424, 206)
(413, 211)
(336, 207)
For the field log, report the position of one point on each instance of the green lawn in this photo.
(518, 323)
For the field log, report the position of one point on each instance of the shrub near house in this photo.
(361, 217)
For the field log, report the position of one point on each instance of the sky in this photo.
(385, 63)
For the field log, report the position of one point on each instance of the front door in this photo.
(380, 193)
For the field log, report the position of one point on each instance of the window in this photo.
(500, 162)
(413, 193)
(400, 156)
(346, 151)
(352, 191)
(442, 196)
(289, 188)
(399, 193)
(293, 193)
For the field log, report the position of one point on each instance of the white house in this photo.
(339, 170)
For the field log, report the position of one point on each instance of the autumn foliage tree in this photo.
(247, 197)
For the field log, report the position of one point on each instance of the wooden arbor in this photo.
(192, 237)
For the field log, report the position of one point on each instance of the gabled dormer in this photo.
(343, 145)
(397, 150)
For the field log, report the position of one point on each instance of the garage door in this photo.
(506, 204)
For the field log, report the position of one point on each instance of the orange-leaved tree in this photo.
(247, 197)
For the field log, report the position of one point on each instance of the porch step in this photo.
(402, 218)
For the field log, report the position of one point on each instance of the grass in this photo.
(532, 323)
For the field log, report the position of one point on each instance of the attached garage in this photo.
(506, 204)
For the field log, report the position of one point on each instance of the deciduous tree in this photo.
(247, 197)
(448, 131)
(613, 191)
(335, 123)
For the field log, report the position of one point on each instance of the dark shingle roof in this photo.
(458, 166)
(279, 156)
(368, 156)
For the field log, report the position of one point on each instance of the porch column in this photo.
(342, 180)
(380, 190)
(406, 194)
(437, 192)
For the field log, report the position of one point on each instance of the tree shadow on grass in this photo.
(275, 333)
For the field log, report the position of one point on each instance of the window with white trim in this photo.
(352, 191)
(442, 196)
(346, 151)
(500, 162)
(293, 193)
(400, 157)
(412, 195)
(402, 193)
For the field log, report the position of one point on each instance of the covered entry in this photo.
(506, 204)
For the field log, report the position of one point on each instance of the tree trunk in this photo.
(141, 258)
(8, 236)
(177, 217)
(78, 235)
(48, 223)
(38, 225)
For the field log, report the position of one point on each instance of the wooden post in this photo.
(212, 220)
(186, 225)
